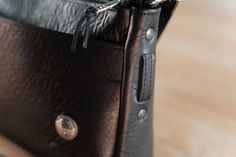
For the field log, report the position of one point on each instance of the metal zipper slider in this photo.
(155, 3)
(107, 6)
(88, 15)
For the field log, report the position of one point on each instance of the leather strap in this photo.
(134, 137)
(146, 77)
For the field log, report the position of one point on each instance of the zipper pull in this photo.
(90, 13)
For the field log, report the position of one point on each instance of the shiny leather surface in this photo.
(57, 15)
(135, 136)
(64, 15)
(41, 79)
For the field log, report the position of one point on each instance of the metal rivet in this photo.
(150, 34)
(66, 127)
(142, 114)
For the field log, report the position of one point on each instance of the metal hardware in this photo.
(94, 11)
(150, 34)
(161, 1)
(106, 6)
(66, 127)
(142, 114)
(155, 2)
(89, 14)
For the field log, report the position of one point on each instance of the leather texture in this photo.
(40, 79)
(135, 135)
(146, 77)
(64, 16)
(102, 88)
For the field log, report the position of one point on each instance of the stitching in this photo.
(144, 78)
(152, 74)
(150, 14)
(93, 77)
(147, 77)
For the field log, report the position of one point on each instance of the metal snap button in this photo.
(142, 114)
(66, 127)
(150, 33)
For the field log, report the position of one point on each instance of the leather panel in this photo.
(40, 79)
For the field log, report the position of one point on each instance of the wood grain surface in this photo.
(9, 149)
(195, 98)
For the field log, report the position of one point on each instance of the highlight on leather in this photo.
(57, 15)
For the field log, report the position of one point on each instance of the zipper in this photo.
(88, 15)
(92, 12)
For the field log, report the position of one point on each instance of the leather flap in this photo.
(58, 15)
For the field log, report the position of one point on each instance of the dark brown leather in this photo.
(40, 79)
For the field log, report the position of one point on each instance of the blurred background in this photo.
(195, 97)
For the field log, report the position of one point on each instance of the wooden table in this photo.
(195, 100)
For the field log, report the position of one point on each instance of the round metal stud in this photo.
(142, 114)
(66, 127)
(150, 33)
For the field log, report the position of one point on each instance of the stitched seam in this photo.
(144, 79)
(150, 14)
(93, 77)
(152, 75)
(38, 34)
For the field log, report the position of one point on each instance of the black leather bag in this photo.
(76, 77)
